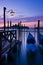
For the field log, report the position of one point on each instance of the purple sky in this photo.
(28, 8)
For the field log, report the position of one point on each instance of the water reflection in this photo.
(23, 57)
(30, 59)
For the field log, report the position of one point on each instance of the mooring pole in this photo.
(4, 19)
(38, 29)
(10, 23)
(24, 33)
(34, 29)
(0, 46)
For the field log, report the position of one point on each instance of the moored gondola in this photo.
(41, 42)
(31, 46)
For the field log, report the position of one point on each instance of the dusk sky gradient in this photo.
(22, 8)
(26, 8)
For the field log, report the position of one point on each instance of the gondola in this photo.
(41, 42)
(31, 46)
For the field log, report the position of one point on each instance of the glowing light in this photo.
(12, 13)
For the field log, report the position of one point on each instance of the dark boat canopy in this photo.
(30, 39)
(40, 39)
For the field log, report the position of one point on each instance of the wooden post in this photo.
(38, 30)
(15, 35)
(10, 40)
(4, 19)
(10, 23)
(19, 31)
(34, 29)
(24, 33)
(0, 46)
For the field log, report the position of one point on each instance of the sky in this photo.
(22, 8)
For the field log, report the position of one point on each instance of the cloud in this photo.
(23, 19)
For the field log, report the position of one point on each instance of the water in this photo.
(24, 58)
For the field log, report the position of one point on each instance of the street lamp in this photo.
(11, 13)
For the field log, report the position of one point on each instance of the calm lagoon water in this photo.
(24, 58)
